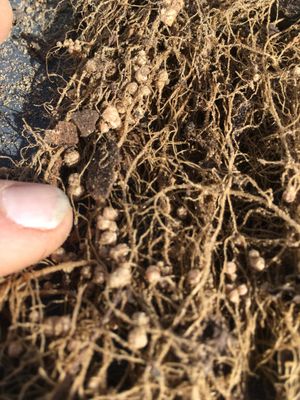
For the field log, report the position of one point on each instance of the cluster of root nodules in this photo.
(178, 141)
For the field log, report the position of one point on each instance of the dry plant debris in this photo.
(176, 133)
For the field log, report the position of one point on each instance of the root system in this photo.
(180, 279)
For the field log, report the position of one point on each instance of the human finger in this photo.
(6, 19)
(35, 219)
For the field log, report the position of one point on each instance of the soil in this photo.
(181, 277)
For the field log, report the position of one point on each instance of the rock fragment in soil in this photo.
(86, 121)
(64, 134)
(103, 169)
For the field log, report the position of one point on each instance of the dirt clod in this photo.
(102, 171)
(64, 134)
(86, 121)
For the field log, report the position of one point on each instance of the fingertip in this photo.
(6, 19)
(53, 239)
(22, 245)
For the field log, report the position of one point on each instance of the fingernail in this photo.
(34, 206)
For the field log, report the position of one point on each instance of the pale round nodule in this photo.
(103, 224)
(142, 74)
(132, 87)
(108, 238)
(58, 255)
(119, 278)
(144, 91)
(289, 195)
(230, 268)
(242, 289)
(119, 252)
(57, 325)
(153, 274)
(141, 58)
(193, 277)
(253, 253)
(140, 318)
(137, 338)
(234, 296)
(258, 264)
(111, 116)
(71, 157)
(110, 213)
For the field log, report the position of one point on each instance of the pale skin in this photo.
(25, 242)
